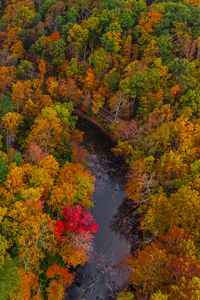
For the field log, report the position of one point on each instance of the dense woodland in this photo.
(142, 64)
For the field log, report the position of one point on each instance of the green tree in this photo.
(100, 60)
(25, 70)
(56, 51)
(3, 169)
(9, 279)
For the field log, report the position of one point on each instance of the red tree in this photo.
(75, 220)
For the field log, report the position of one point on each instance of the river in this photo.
(101, 277)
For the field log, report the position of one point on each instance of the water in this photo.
(102, 277)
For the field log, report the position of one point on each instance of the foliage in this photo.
(125, 296)
(9, 277)
(167, 260)
(140, 63)
(75, 220)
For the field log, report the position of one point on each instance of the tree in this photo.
(15, 180)
(180, 209)
(25, 70)
(125, 296)
(100, 60)
(171, 168)
(3, 169)
(4, 246)
(42, 69)
(21, 92)
(56, 51)
(35, 233)
(112, 79)
(74, 186)
(111, 41)
(24, 16)
(50, 164)
(147, 269)
(10, 124)
(28, 286)
(6, 76)
(98, 99)
(78, 36)
(34, 152)
(53, 86)
(163, 263)
(148, 20)
(137, 181)
(159, 296)
(62, 279)
(187, 289)
(46, 131)
(18, 50)
(145, 86)
(127, 20)
(70, 91)
(75, 220)
(118, 102)
(9, 279)
(90, 82)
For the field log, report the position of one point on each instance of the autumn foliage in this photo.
(139, 63)
(75, 220)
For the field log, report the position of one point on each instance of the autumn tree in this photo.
(74, 186)
(10, 124)
(164, 263)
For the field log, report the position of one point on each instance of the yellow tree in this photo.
(6, 76)
(35, 234)
(10, 124)
(46, 130)
(74, 186)
(21, 92)
(181, 209)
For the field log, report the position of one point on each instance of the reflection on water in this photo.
(101, 277)
(126, 224)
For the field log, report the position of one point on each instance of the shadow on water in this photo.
(126, 224)
(102, 277)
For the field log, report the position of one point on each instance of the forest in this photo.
(133, 66)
